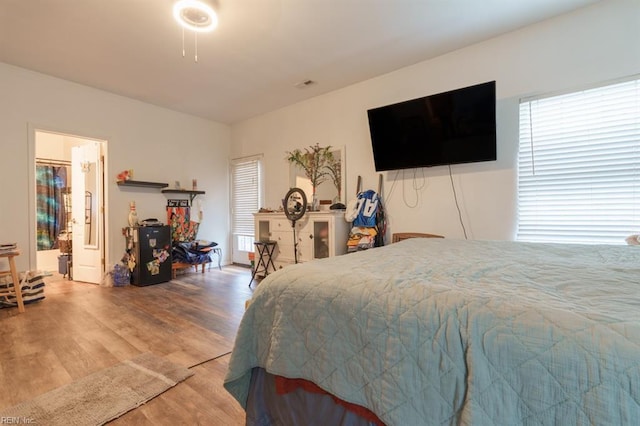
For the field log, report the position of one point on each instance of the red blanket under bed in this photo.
(285, 385)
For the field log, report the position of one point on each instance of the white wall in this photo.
(158, 144)
(591, 45)
(52, 146)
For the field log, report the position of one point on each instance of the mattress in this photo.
(441, 331)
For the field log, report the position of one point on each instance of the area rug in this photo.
(102, 396)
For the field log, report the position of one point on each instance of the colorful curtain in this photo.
(50, 212)
(183, 229)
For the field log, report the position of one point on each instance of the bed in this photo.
(442, 331)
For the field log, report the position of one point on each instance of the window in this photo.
(246, 197)
(579, 166)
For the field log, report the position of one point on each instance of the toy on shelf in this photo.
(125, 175)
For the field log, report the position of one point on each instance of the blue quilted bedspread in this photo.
(440, 331)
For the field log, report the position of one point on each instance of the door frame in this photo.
(31, 166)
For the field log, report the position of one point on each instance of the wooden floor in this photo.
(81, 328)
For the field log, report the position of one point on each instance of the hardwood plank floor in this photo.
(81, 328)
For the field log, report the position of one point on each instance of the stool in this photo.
(14, 277)
(265, 258)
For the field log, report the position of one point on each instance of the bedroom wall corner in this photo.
(590, 45)
(158, 144)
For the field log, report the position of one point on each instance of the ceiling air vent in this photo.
(304, 84)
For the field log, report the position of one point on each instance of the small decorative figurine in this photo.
(133, 215)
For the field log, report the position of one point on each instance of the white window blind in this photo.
(579, 166)
(245, 193)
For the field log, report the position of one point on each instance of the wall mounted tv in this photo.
(453, 127)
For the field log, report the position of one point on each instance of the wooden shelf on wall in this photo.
(191, 193)
(141, 183)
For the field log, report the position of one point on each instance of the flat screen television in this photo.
(452, 127)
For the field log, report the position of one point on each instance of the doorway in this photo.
(70, 199)
(246, 196)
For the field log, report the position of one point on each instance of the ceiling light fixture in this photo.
(196, 16)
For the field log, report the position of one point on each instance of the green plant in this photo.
(313, 161)
(334, 169)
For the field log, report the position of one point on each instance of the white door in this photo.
(246, 194)
(86, 205)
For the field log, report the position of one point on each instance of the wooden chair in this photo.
(17, 290)
(399, 236)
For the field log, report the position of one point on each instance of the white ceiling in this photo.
(260, 50)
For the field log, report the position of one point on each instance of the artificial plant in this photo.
(334, 170)
(313, 162)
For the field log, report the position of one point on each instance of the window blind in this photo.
(245, 194)
(579, 166)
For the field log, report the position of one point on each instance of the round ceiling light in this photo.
(195, 15)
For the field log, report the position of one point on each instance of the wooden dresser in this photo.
(318, 234)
